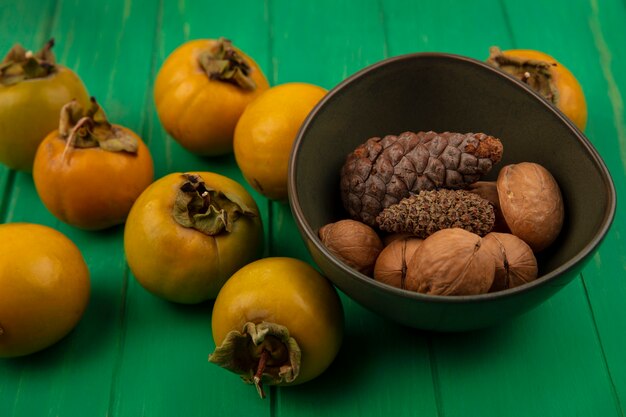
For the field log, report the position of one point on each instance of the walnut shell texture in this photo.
(451, 262)
(515, 261)
(391, 264)
(355, 243)
(489, 191)
(531, 202)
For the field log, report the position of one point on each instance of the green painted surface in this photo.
(133, 354)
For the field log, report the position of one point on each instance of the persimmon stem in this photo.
(71, 138)
(207, 210)
(19, 64)
(223, 62)
(536, 73)
(259, 372)
(260, 352)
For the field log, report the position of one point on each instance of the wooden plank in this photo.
(7, 177)
(183, 21)
(589, 44)
(553, 346)
(30, 27)
(163, 370)
(381, 365)
(450, 26)
(78, 373)
(344, 42)
(546, 362)
(133, 354)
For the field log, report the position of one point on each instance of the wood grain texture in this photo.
(76, 367)
(596, 30)
(164, 368)
(345, 41)
(21, 378)
(31, 28)
(465, 364)
(466, 28)
(133, 354)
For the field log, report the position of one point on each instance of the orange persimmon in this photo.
(201, 91)
(548, 77)
(90, 172)
(33, 89)
(45, 287)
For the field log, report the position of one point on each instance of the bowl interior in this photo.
(443, 92)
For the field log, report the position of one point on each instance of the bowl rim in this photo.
(579, 257)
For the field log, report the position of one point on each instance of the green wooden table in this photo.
(135, 355)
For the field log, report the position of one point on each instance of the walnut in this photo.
(489, 191)
(355, 243)
(391, 265)
(515, 262)
(451, 262)
(531, 202)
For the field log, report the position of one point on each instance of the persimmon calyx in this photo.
(210, 211)
(19, 64)
(223, 62)
(89, 128)
(262, 353)
(536, 73)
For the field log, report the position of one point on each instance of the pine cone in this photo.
(382, 171)
(429, 211)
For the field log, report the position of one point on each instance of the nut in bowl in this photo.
(433, 92)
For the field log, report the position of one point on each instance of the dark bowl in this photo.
(443, 92)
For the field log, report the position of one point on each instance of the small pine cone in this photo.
(382, 171)
(429, 211)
